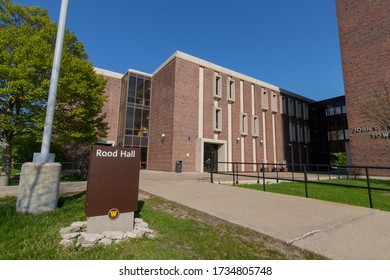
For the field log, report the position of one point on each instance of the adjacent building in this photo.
(364, 31)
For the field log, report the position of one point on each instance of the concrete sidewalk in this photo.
(336, 231)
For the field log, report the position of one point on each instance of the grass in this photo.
(346, 195)
(182, 233)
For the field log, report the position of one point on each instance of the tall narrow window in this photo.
(305, 111)
(291, 110)
(274, 103)
(264, 100)
(255, 126)
(244, 124)
(292, 132)
(298, 109)
(283, 105)
(231, 90)
(217, 86)
(217, 119)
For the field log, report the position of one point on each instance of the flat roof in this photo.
(217, 68)
(108, 73)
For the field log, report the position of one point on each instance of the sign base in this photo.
(124, 222)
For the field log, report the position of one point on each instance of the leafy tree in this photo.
(27, 41)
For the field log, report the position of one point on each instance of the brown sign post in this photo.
(112, 188)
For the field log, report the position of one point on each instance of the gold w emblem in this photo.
(113, 214)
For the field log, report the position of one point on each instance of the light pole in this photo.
(40, 179)
(44, 156)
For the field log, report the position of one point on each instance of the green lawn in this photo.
(182, 233)
(347, 195)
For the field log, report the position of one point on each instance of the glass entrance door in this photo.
(210, 157)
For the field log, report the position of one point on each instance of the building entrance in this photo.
(210, 157)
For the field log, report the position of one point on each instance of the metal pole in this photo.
(369, 188)
(45, 148)
(305, 175)
(263, 168)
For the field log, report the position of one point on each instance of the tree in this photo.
(377, 106)
(27, 41)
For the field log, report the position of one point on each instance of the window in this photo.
(264, 100)
(305, 111)
(300, 133)
(217, 86)
(231, 90)
(217, 119)
(283, 105)
(298, 109)
(291, 111)
(307, 135)
(244, 124)
(274, 103)
(255, 126)
(292, 132)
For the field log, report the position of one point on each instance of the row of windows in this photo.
(231, 93)
(295, 108)
(336, 111)
(217, 121)
(338, 135)
(299, 133)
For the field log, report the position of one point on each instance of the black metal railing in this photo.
(304, 173)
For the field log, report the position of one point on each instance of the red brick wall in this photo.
(162, 119)
(185, 122)
(111, 107)
(364, 30)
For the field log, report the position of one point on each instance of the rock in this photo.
(91, 237)
(135, 234)
(69, 236)
(143, 229)
(82, 225)
(66, 242)
(141, 225)
(138, 220)
(70, 229)
(105, 241)
(115, 235)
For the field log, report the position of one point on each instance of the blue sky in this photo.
(292, 44)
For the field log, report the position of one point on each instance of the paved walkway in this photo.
(336, 231)
(333, 230)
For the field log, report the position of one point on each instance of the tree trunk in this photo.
(6, 160)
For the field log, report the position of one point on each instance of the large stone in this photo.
(115, 235)
(105, 241)
(70, 235)
(69, 229)
(134, 234)
(92, 238)
(82, 225)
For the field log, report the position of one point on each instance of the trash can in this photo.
(179, 166)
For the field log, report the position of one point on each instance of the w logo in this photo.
(113, 214)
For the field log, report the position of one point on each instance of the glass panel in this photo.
(147, 90)
(140, 88)
(131, 90)
(138, 122)
(129, 119)
(145, 122)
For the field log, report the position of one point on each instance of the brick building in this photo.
(198, 112)
(364, 31)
